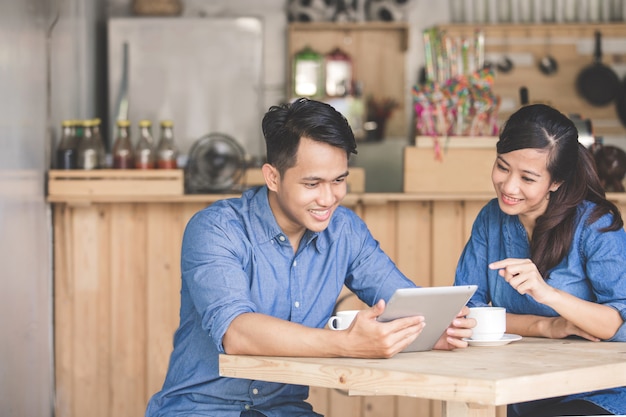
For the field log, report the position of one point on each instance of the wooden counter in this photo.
(117, 289)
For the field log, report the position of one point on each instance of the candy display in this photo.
(457, 97)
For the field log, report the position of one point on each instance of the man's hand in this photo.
(368, 338)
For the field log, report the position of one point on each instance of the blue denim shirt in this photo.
(593, 270)
(236, 259)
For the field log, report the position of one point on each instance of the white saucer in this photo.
(504, 340)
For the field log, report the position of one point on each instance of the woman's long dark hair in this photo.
(539, 126)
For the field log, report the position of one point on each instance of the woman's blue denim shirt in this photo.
(235, 259)
(593, 270)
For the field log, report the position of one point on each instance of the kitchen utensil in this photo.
(548, 64)
(505, 64)
(523, 96)
(598, 83)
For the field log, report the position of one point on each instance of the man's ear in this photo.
(271, 176)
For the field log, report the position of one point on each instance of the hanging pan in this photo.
(597, 83)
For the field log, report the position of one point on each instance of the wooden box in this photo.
(116, 182)
(459, 165)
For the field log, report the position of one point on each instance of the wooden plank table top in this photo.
(471, 382)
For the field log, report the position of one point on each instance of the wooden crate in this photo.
(462, 165)
(116, 182)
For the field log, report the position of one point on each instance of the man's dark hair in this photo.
(284, 126)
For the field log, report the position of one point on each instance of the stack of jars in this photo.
(81, 146)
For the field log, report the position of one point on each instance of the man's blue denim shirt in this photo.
(594, 270)
(235, 259)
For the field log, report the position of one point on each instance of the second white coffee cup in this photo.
(490, 322)
(342, 319)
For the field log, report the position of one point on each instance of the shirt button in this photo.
(281, 238)
(255, 391)
(295, 263)
(247, 407)
(297, 304)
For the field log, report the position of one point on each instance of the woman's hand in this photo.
(459, 329)
(578, 317)
(524, 277)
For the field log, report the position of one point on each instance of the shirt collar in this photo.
(264, 223)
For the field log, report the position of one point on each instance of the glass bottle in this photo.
(144, 151)
(97, 136)
(167, 152)
(504, 10)
(87, 147)
(457, 11)
(123, 155)
(571, 10)
(526, 11)
(67, 149)
(481, 11)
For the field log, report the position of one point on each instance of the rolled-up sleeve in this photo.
(606, 269)
(211, 265)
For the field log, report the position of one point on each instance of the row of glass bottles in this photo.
(144, 155)
(81, 146)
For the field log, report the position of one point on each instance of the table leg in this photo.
(459, 409)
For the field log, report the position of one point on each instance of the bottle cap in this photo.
(167, 123)
(145, 123)
(123, 123)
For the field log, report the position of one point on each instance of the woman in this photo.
(550, 248)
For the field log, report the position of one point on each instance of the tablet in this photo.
(438, 305)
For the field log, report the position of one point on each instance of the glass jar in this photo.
(338, 73)
(123, 155)
(144, 151)
(167, 152)
(308, 73)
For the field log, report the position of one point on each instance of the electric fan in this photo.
(216, 164)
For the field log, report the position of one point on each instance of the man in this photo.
(261, 275)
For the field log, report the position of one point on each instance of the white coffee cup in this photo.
(342, 319)
(490, 322)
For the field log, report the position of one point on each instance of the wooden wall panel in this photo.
(164, 230)
(447, 240)
(414, 253)
(63, 310)
(117, 295)
(128, 308)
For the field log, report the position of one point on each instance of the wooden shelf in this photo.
(571, 45)
(377, 50)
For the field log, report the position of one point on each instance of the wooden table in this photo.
(470, 382)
